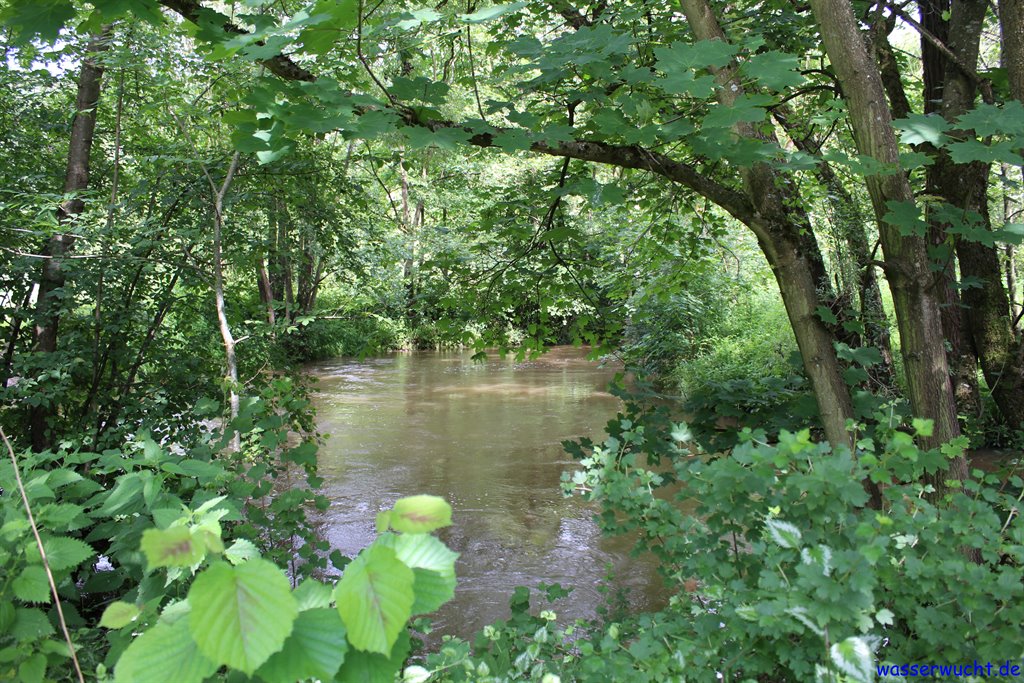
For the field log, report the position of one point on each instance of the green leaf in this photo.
(32, 585)
(906, 217)
(127, 493)
(967, 151)
(369, 667)
(513, 140)
(269, 156)
(688, 56)
(303, 454)
(826, 315)
(990, 119)
(774, 70)
(119, 614)
(416, 674)
(419, 88)
(748, 108)
(420, 514)
(433, 566)
(375, 123)
(241, 550)
(147, 10)
(411, 20)
(312, 594)
(375, 599)
(783, 533)
(920, 128)
(491, 13)
(853, 657)
(241, 615)
(176, 546)
(42, 18)
(687, 83)
(32, 669)
(6, 616)
(61, 552)
(923, 427)
(30, 624)
(865, 356)
(855, 376)
(163, 649)
(315, 649)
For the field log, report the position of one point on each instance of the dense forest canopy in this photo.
(799, 219)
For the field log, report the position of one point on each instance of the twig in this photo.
(362, 57)
(472, 72)
(42, 554)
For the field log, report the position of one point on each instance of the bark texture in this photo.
(76, 179)
(907, 267)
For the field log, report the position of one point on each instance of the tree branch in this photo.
(625, 156)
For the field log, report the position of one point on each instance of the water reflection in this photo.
(485, 436)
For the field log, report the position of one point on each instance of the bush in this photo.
(753, 341)
(357, 335)
(787, 573)
(170, 559)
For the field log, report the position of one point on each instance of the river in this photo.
(485, 436)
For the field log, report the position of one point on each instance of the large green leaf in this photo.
(689, 56)
(921, 128)
(241, 615)
(774, 70)
(30, 624)
(491, 13)
(340, 17)
(375, 598)
(433, 566)
(32, 585)
(369, 667)
(173, 547)
(125, 496)
(853, 657)
(62, 552)
(164, 652)
(420, 514)
(43, 18)
(119, 614)
(315, 649)
(311, 594)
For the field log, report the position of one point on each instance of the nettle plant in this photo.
(125, 531)
(241, 612)
(787, 571)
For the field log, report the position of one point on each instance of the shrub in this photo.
(788, 574)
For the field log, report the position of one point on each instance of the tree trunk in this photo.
(265, 290)
(965, 186)
(907, 266)
(76, 180)
(852, 225)
(218, 293)
(409, 228)
(789, 245)
(933, 20)
(1011, 22)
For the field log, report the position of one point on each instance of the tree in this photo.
(60, 245)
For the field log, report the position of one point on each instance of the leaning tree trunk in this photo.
(907, 265)
(788, 243)
(76, 179)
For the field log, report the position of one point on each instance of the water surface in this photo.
(486, 437)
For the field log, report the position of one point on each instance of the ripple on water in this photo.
(485, 436)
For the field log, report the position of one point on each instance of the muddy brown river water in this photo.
(486, 437)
